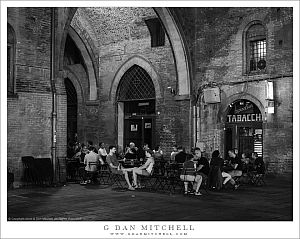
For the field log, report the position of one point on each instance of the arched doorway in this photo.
(72, 105)
(243, 127)
(136, 108)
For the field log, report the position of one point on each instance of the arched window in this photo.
(156, 31)
(256, 48)
(136, 84)
(11, 48)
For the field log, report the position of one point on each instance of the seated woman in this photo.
(215, 177)
(217, 165)
(145, 169)
(188, 174)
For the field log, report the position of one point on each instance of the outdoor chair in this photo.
(184, 177)
(160, 179)
(104, 174)
(215, 180)
(147, 181)
(73, 169)
(173, 177)
(10, 178)
(92, 175)
(116, 179)
(28, 175)
(257, 179)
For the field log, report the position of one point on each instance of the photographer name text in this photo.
(153, 227)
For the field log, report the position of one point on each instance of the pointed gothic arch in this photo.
(141, 62)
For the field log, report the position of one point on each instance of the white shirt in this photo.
(102, 152)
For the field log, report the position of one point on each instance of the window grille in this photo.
(256, 48)
(136, 84)
(258, 55)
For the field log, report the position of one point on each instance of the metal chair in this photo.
(104, 174)
(173, 177)
(116, 179)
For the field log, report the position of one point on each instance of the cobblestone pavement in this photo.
(272, 202)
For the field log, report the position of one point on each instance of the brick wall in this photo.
(28, 129)
(217, 53)
(120, 37)
(29, 113)
(213, 38)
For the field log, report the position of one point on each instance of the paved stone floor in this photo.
(272, 202)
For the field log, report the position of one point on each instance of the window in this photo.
(256, 49)
(11, 46)
(136, 84)
(156, 31)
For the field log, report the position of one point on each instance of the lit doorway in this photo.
(136, 108)
(243, 128)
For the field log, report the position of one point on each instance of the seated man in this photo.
(91, 162)
(202, 164)
(188, 174)
(145, 169)
(232, 169)
(236, 164)
(116, 167)
(181, 156)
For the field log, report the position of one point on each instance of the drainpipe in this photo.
(54, 96)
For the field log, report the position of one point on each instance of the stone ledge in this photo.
(182, 97)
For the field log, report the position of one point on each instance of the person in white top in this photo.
(146, 169)
(102, 152)
(173, 153)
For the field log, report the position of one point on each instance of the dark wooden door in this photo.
(139, 130)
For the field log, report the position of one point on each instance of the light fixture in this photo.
(271, 107)
(172, 91)
(270, 97)
(270, 90)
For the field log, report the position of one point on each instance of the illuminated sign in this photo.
(244, 118)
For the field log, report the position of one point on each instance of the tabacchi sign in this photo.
(244, 118)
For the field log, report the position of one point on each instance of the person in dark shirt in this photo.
(235, 163)
(259, 164)
(215, 177)
(202, 163)
(235, 168)
(116, 167)
(131, 152)
(181, 156)
(188, 174)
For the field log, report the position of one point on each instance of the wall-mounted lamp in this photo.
(270, 97)
(172, 91)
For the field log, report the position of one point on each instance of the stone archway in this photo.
(68, 73)
(180, 54)
(89, 64)
(176, 40)
(224, 105)
(120, 116)
(243, 119)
